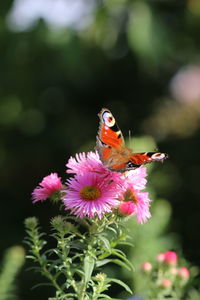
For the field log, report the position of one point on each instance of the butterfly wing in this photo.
(110, 146)
(109, 138)
(109, 133)
(138, 159)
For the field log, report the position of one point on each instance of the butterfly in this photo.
(111, 147)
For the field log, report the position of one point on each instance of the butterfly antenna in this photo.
(129, 137)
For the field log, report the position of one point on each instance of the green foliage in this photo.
(12, 262)
(73, 266)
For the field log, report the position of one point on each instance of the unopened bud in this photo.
(183, 272)
(166, 283)
(171, 257)
(146, 267)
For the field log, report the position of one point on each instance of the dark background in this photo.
(55, 79)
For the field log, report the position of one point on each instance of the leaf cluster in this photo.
(83, 246)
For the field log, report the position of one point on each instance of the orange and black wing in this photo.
(139, 159)
(110, 146)
(109, 136)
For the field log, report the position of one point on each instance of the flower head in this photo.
(171, 257)
(91, 195)
(160, 257)
(146, 267)
(135, 178)
(184, 273)
(135, 203)
(166, 283)
(83, 162)
(47, 187)
(87, 167)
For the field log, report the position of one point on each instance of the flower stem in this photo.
(45, 271)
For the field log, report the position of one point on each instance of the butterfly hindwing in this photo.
(147, 157)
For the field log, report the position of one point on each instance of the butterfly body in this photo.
(111, 148)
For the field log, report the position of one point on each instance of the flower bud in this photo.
(183, 272)
(166, 283)
(160, 257)
(127, 208)
(173, 271)
(171, 257)
(146, 267)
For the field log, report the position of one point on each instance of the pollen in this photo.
(90, 192)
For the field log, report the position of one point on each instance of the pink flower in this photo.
(183, 272)
(185, 85)
(160, 257)
(47, 187)
(136, 203)
(90, 163)
(166, 283)
(171, 257)
(89, 194)
(146, 267)
(127, 208)
(136, 178)
(83, 162)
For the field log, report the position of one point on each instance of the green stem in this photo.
(82, 292)
(45, 271)
(36, 248)
(66, 263)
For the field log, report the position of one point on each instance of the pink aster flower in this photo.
(135, 202)
(90, 162)
(83, 162)
(138, 204)
(91, 195)
(134, 181)
(136, 178)
(47, 187)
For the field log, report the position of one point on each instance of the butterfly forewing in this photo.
(109, 133)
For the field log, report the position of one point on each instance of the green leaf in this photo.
(104, 296)
(124, 285)
(103, 262)
(122, 256)
(112, 229)
(88, 267)
(121, 264)
(107, 297)
(41, 284)
(105, 241)
(126, 244)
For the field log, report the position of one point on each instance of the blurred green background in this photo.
(61, 61)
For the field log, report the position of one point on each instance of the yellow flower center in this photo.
(129, 195)
(90, 192)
